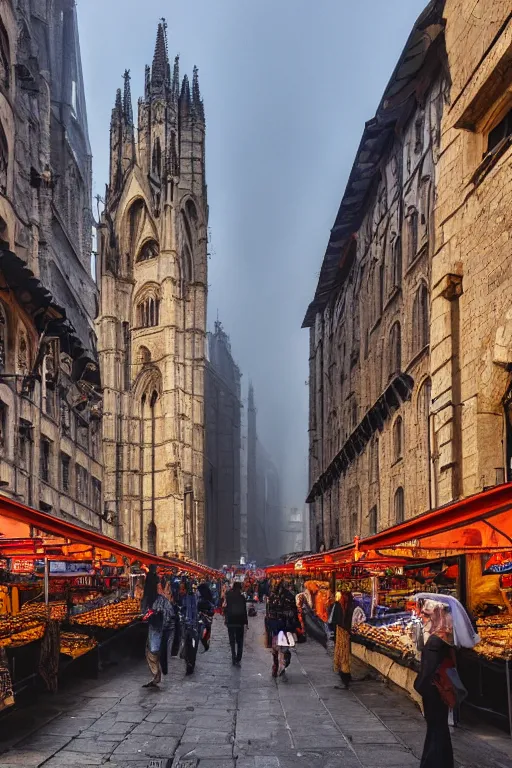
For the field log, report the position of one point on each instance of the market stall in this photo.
(74, 584)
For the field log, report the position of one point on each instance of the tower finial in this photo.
(160, 69)
(185, 98)
(127, 99)
(197, 102)
(176, 79)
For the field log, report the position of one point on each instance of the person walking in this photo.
(190, 628)
(205, 607)
(445, 625)
(282, 616)
(341, 619)
(235, 614)
(160, 618)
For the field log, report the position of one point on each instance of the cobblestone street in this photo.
(224, 717)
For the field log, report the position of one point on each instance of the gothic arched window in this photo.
(397, 262)
(23, 364)
(395, 350)
(5, 57)
(4, 160)
(399, 505)
(148, 251)
(148, 312)
(412, 234)
(3, 339)
(420, 329)
(398, 439)
(134, 221)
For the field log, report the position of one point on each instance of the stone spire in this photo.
(160, 70)
(176, 79)
(185, 98)
(117, 112)
(127, 99)
(197, 102)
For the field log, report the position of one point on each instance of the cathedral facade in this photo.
(152, 321)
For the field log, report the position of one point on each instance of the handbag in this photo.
(286, 640)
(448, 683)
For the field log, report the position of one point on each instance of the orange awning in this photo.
(14, 511)
(478, 523)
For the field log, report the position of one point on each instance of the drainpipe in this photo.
(452, 292)
(154, 397)
(141, 472)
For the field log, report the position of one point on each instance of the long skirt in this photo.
(342, 655)
(437, 750)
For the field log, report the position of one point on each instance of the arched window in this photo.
(412, 234)
(191, 211)
(4, 160)
(134, 221)
(23, 364)
(399, 506)
(152, 538)
(398, 439)
(396, 271)
(144, 355)
(148, 312)
(3, 427)
(395, 350)
(5, 57)
(372, 521)
(374, 461)
(148, 251)
(3, 339)
(420, 324)
(187, 265)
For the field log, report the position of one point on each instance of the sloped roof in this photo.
(394, 109)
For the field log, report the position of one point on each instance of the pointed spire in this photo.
(185, 98)
(147, 81)
(127, 99)
(160, 68)
(176, 79)
(197, 101)
(117, 112)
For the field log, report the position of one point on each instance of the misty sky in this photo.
(287, 86)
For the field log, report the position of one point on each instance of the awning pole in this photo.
(46, 581)
(507, 672)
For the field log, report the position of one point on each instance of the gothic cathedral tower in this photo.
(152, 321)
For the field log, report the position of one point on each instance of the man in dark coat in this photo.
(236, 620)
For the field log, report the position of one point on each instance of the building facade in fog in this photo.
(222, 476)
(152, 323)
(50, 401)
(410, 330)
(295, 537)
(264, 504)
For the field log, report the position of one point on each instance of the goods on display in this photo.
(111, 616)
(398, 635)
(75, 645)
(23, 627)
(496, 637)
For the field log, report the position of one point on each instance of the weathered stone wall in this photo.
(45, 221)
(471, 267)
(355, 352)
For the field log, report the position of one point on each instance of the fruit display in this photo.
(75, 645)
(110, 616)
(58, 610)
(496, 637)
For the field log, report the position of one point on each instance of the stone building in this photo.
(50, 404)
(370, 359)
(223, 452)
(152, 319)
(411, 324)
(264, 506)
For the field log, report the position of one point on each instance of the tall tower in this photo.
(152, 322)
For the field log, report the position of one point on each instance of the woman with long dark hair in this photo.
(282, 616)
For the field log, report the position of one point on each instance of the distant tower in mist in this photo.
(264, 511)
